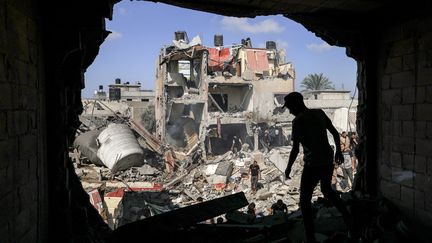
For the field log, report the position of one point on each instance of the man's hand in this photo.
(339, 158)
(287, 172)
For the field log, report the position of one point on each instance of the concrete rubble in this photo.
(139, 177)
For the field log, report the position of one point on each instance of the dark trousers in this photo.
(310, 178)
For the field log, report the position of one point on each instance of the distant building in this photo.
(129, 92)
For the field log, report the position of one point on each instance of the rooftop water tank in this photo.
(271, 45)
(180, 35)
(119, 149)
(218, 40)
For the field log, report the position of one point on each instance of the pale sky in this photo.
(139, 29)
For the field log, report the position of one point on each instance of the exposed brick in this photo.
(429, 92)
(404, 144)
(390, 189)
(393, 65)
(402, 47)
(423, 112)
(408, 161)
(397, 128)
(27, 146)
(420, 164)
(423, 146)
(2, 64)
(386, 128)
(392, 96)
(21, 172)
(5, 96)
(403, 177)
(403, 112)
(408, 95)
(429, 130)
(396, 159)
(424, 76)
(421, 94)
(17, 122)
(3, 127)
(385, 82)
(408, 128)
(402, 79)
(429, 166)
(8, 152)
(420, 129)
(421, 181)
(408, 62)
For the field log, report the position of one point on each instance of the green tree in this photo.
(316, 82)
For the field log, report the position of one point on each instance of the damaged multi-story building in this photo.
(207, 95)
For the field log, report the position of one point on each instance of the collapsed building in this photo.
(44, 51)
(207, 95)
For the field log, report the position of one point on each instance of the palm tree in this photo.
(316, 82)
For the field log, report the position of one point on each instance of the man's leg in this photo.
(309, 180)
(331, 195)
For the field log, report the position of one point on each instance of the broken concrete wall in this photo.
(231, 98)
(264, 95)
(405, 118)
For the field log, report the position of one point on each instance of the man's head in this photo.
(279, 202)
(344, 134)
(255, 162)
(294, 102)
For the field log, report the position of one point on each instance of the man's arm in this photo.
(293, 155)
(338, 156)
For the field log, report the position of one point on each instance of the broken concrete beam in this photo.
(224, 168)
(179, 218)
(151, 141)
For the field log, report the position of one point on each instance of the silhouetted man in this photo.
(309, 128)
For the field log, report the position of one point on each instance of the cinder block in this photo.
(8, 152)
(421, 94)
(404, 145)
(402, 47)
(423, 112)
(408, 161)
(27, 147)
(423, 146)
(408, 128)
(5, 96)
(408, 95)
(408, 62)
(17, 33)
(17, 122)
(385, 82)
(420, 164)
(392, 96)
(424, 76)
(393, 65)
(402, 79)
(397, 128)
(403, 112)
(385, 171)
(429, 92)
(420, 129)
(429, 129)
(3, 125)
(396, 159)
(421, 181)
